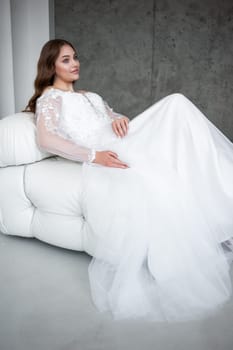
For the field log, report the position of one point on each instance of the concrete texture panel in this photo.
(135, 52)
(193, 50)
(114, 42)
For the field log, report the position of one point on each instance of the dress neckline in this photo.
(69, 91)
(64, 91)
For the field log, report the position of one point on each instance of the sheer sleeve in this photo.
(48, 136)
(111, 113)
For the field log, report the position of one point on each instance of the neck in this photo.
(63, 86)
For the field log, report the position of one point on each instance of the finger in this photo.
(113, 165)
(126, 119)
(120, 129)
(115, 129)
(126, 125)
(119, 162)
(113, 154)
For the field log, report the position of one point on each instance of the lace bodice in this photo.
(72, 124)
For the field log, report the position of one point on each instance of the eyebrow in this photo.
(69, 55)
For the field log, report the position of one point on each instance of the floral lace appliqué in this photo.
(49, 106)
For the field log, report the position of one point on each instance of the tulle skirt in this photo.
(158, 226)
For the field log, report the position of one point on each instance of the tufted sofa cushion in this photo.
(43, 200)
(40, 194)
(18, 141)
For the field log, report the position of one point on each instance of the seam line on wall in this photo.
(153, 53)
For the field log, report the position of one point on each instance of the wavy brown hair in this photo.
(46, 69)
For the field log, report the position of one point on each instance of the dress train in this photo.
(158, 226)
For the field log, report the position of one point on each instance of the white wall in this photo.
(26, 29)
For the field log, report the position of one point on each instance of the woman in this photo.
(157, 194)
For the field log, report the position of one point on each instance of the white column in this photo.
(24, 28)
(7, 99)
(30, 30)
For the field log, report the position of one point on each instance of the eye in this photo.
(66, 60)
(76, 57)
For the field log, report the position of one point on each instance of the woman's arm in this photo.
(49, 138)
(58, 145)
(67, 149)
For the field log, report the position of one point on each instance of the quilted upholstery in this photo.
(43, 200)
(40, 194)
(18, 142)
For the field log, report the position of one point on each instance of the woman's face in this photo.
(67, 65)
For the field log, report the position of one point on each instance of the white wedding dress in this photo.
(158, 225)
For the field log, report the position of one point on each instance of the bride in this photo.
(157, 194)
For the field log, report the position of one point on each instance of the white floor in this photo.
(45, 304)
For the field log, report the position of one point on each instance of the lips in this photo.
(76, 71)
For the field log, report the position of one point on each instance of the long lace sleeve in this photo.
(111, 113)
(50, 138)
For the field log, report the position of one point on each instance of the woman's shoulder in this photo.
(49, 90)
(82, 91)
(49, 97)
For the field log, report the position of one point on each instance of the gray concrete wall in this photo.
(135, 52)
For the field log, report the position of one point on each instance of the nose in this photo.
(75, 63)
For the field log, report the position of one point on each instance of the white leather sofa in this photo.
(39, 192)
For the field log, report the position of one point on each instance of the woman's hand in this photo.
(110, 159)
(120, 126)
